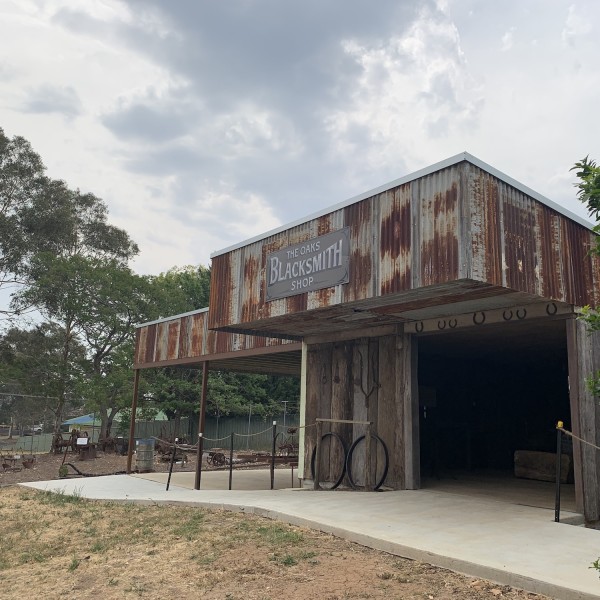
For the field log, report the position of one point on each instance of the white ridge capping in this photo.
(172, 318)
(443, 164)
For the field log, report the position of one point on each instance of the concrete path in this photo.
(510, 544)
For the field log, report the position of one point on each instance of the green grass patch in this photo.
(278, 535)
(190, 527)
(100, 546)
(60, 498)
(288, 560)
(75, 562)
(31, 556)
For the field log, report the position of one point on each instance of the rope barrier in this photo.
(215, 439)
(252, 434)
(560, 427)
(163, 441)
(186, 447)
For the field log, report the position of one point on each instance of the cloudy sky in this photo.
(204, 122)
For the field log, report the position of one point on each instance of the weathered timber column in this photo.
(584, 362)
(409, 392)
(341, 407)
(318, 399)
(398, 408)
(136, 382)
(201, 425)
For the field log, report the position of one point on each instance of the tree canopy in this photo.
(588, 186)
(62, 259)
(68, 263)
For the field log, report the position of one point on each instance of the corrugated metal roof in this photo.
(171, 318)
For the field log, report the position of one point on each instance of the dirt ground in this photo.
(45, 466)
(56, 546)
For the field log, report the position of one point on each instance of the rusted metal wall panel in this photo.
(527, 246)
(361, 219)
(150, 343)
(576, 264)
(184, 336)
(395, 241)
(439, 227)
(458, 223)
(551, 273)
(198, 345)
(486, 227)
(253, 270)
(520, 233)
(388, 247)
(188, 337)
(162, 338)
(221, 290)
(173, 339)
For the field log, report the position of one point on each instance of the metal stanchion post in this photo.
(172, 461)
(199, 461)
(559, 427)
(316, 485)
(273, 455)
(231, 459)
(368, 478)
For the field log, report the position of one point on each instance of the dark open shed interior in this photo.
(487, 392)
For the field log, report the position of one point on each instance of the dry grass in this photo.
(56, 546)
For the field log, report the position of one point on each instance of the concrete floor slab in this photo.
(511, 544)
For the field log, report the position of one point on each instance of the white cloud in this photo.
(416, 86)
(507, 40)
(578, 24)
(204, 123)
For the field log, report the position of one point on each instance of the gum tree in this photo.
(588, 192)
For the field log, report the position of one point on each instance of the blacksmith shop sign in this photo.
(312, 265)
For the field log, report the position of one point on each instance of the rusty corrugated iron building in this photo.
(440, 307)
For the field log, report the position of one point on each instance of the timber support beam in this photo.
(584, 362)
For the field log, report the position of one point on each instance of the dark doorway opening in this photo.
(486, 392)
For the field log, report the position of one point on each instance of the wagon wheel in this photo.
(209, 459)
(219, 459)
(287, 449)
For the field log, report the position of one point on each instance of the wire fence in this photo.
(250, 433)
(284, 449)
(35, 437)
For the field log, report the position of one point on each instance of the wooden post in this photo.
(410, 394)
(136, 382)
(341, 408)
(368, 478)
(318, 399)
(201, 425)
(584, 361)
(316, 485)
